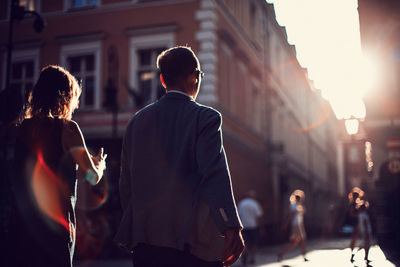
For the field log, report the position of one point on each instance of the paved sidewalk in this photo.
(321, 253)
(105, 263)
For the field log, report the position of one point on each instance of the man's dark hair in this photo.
(176, 64)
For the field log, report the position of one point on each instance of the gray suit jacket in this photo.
(175, 185)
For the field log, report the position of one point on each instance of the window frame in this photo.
(145, 42)
(68, 5)
(22, 55)
(243, 92)
(36, 4)
(256, 114)
(37, 8)
(154, 81)
(82, 49)
(227, 84)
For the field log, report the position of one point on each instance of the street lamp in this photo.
(18, 13)
(351, 126)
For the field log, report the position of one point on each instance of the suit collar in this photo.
(178, 95)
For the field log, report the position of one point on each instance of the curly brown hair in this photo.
(297, 194)
(56, 94)
(355, 193)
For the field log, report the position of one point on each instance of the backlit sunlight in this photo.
(327, 39)
(330, 256)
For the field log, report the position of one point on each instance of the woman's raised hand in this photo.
(100, 160)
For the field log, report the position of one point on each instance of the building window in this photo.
(145, 85)
(83, 3)
(80, 4)
(24, 70)
(227, 89)
(82, 67)
(31, 5)
(255, 115)
(83, 61)
(144, 1)
(149, 86)
(22, 77)
(243, 92)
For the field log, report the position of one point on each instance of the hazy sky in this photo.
(327, 39)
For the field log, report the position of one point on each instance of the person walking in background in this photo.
(250, 212)
(364, 226)
(49, 148)
(355, 196)
(298, 233)
(175, 186)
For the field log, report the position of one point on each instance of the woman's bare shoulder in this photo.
(71, 127)
(72, 135)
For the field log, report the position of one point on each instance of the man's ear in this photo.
(162, 81)
(192, 80)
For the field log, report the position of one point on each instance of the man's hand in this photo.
(234, 246)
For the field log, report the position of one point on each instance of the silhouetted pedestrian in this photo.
(355, 196)
(10, 110)
(175, 186)
(49, 148)
(298, 233)
(364, 226)
(250, 213)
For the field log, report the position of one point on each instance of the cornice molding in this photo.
(28, 44)
(150, 30)
(80, 38)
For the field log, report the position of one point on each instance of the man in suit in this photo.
(175, 186)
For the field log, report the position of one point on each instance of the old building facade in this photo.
(380, 38)
(380, 31)
(279, 133)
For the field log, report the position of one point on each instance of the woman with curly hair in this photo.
(49, 152)
(298, 234)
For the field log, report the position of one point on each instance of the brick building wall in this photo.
(279, 133)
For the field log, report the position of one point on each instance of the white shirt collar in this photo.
(179, 92)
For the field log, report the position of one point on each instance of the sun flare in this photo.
(331, 51)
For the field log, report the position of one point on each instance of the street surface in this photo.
(321, 253)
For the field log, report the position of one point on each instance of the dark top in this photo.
(45, 191)
(8, 134)
(353, 214)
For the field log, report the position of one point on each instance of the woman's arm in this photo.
(73, 142)
(289, 220)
